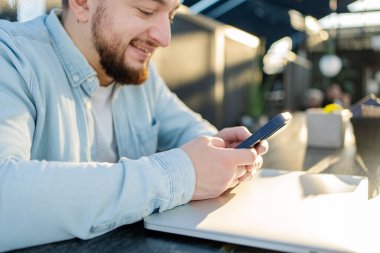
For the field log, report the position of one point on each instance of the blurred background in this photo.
(243, 61)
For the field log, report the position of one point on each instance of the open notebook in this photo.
(284, 211)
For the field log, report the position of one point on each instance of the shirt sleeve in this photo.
(63, 200)
(47, 201)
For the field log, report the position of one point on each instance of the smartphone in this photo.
(275, 124)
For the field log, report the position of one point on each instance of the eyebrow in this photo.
(163, 2)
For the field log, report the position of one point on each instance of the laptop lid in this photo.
(278, 210)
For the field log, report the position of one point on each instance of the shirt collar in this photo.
(76, 66)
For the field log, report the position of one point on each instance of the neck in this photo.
(81, 35)
(104, 79)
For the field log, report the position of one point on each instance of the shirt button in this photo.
(76, 78)
(88, 105)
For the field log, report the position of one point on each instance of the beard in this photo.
(111, 60)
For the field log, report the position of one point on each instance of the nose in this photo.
(161, 32)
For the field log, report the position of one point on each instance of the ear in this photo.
(80, 9)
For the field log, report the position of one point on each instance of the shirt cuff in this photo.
(181, 175)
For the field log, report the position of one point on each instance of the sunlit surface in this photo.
(312, 24)
(219, 69)
(303, 134)
(279, 210)
(325, 207)
(364, 5)
(347, 20)
(242, 37)
(277, 56)
(297, 20)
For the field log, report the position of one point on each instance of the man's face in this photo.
(126, 33)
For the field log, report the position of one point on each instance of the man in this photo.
(82, 116)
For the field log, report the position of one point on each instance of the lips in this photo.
(143, 47)
(146, 50)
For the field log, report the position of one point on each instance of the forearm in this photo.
(66, 200)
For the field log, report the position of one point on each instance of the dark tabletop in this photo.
(288, 151)
(134, 238)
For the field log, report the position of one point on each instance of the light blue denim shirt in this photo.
(50, 188)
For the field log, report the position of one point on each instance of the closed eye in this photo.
(146, 12)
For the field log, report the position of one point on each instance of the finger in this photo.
(238, 157)
(241, 133)
(253, 168)
(240, 172)
(234, 134)
(262, 147)
(258, 162)
(249, 167)
(217, 142)
(246, 177)
(234, 183)
(249, 177)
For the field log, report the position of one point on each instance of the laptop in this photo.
(278, 210)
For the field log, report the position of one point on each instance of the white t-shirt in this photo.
(105, 149)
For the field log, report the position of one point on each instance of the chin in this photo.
(140, 66)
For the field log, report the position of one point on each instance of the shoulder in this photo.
(16, 32)
(18, 45)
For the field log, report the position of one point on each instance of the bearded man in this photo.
(90, 136)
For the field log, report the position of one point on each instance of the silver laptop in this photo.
(278, 210)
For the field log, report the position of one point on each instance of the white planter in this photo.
(326, 130)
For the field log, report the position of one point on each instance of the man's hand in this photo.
(233, 136)
(218, 168)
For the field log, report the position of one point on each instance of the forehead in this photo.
(162, 2)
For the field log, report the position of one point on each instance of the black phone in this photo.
(276, 123)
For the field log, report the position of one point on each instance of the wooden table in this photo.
(288, 151)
